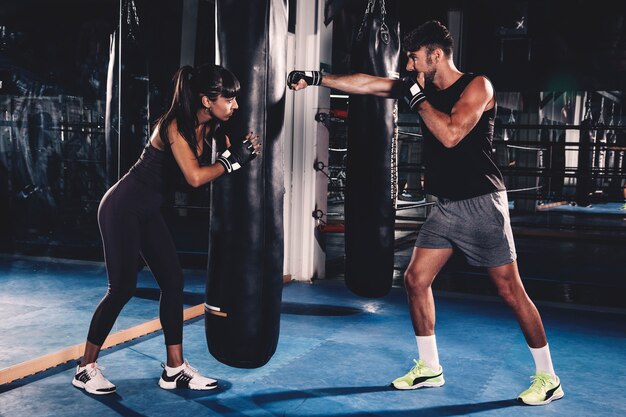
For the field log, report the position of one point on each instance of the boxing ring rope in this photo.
(518, 190)
(526, 148)
(416, 205)
(405, 133)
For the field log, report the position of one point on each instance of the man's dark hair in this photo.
(431, 35)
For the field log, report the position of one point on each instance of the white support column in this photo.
(306, 142)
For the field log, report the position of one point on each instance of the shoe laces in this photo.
(419, 366)
(190, 370)
(97, 369)
(539, 381)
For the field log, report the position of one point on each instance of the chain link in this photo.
(394, 158)
(369, 9)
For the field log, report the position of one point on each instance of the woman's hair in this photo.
(431, 35)
(190, 85)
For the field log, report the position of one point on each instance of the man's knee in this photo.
(416, 282)
(511, 291)
(506, 293)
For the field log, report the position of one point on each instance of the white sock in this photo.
(427, 348)
(173, 371)
(543, 360)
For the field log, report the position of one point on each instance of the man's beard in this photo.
(429, 76)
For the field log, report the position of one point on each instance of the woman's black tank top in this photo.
(158, 169)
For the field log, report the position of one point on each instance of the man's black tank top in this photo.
(468, 169)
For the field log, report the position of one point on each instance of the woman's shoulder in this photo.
(156, 139)
(165, 131)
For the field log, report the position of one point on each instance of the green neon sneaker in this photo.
(542, 390)
(420, 376)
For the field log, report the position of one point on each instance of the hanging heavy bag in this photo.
(584, 184)
(371, 188)
(126, 114)
(245, 266)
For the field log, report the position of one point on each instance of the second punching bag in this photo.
(245, 269)
(584, 185)
(372, 131)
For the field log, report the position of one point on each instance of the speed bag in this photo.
(245, 264)
(370, 192)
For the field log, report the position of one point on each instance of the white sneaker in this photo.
(184, 376)
(90, 378)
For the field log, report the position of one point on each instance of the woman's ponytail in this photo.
(182, 108)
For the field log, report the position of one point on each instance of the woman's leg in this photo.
(120, 238)
(157, 248)
(159, 252)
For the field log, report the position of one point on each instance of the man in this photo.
(457, 111)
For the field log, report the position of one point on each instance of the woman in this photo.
(131, 222)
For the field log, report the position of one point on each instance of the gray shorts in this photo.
(479, 227)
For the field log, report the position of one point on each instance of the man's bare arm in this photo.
(451, 129)
(357, 84)
(362, 84)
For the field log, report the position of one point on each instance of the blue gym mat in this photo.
(336, 356)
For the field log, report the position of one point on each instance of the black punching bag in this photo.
(126, 115)
(372, 132)
(245, 268)
(584, 186)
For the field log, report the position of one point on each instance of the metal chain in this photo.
(394, 158)
(369, 9)
(384, 30)
(132, 18)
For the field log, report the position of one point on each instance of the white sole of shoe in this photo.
(81, 385)
(425, 384)
(556, 396)
(172, 385)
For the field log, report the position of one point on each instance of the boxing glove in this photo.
(237, 155)
(413, 93)
(310, 77)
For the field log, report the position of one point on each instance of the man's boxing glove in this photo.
(237, 155)
(310, 77)
(413, 93)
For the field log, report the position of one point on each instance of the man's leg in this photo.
(424, 266)
(546, 385)
(418, 279)
(507, 280)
